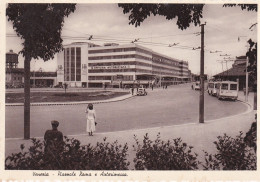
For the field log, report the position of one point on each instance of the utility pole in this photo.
(201, 107)
(246, 99)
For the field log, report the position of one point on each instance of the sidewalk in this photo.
(200, 136)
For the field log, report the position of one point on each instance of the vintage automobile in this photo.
(196, 85)
(141, 91)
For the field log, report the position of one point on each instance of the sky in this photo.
(108, 24)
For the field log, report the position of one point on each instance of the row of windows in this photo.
(120, 63)
(156, 60)
(126, 63)
(124, 77)
(72, 64)
(158, 68)
(119, 50)
(112, 50)
(164, 60)
(164, 73)
(119, 70)
(163, 68)
(120, 57)
(224, 86)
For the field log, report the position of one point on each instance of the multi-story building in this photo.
(83, 64)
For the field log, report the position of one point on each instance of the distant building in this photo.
(196, 78)
(43, 79)
(14, 76)
(83, 64)
(238, 71)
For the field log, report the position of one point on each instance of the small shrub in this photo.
(160, 155)
(27, 160)
(107, 156)
(232, 154)
(73, 156)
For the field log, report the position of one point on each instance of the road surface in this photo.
(161, 107)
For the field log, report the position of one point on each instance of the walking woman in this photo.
(91, 117)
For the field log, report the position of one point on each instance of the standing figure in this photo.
(91, 117)
(132, 89)
(53, 140)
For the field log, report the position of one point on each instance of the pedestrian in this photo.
(132, 89)
(152, 86)
(165, 86)
(91, 117)
(53, 139)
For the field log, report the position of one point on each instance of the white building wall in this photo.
(84, 63)
(60, 69)
(85, 68)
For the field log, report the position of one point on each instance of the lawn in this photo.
(62, 97)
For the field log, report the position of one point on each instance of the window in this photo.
(233, 86)
(224, 86)
(72, 64)
(78, 64)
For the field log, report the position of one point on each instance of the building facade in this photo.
(84, 64)
(237, 72)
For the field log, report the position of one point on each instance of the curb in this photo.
(73, 103)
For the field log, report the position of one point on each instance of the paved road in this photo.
(173, 106)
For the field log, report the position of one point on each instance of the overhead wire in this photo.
(96, 38)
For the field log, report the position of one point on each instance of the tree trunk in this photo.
(27, 62)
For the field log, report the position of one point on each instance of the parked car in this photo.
(141, 91)
(196, 85)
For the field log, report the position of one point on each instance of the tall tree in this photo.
(185, 13)
(40, 26)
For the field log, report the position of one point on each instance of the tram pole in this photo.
(201, 106)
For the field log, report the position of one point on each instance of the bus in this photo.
(212, 88)
(227, 90)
